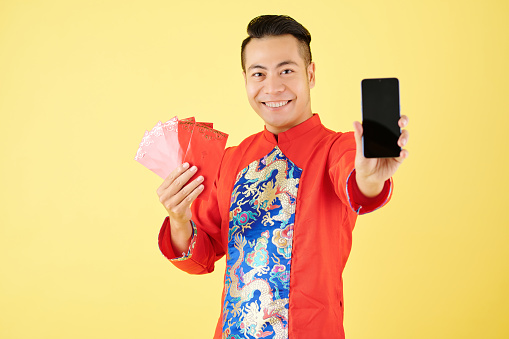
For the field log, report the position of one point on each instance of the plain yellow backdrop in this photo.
(80, 81)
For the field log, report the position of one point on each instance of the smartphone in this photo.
(380, 115)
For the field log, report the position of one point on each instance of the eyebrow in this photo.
(282, 63)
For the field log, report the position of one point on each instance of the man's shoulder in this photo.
(333, 143)
(328, 136)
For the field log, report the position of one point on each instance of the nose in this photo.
(273, 84)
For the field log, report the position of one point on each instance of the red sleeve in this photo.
(362, 204)
(342, 174)
(165, 242)
(200, 257)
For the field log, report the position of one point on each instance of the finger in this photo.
(357, 130)
(403, 155)
(403, 121)
(193, 195)
(180, 181)
(403, 138)
(169, 199)
(187, 190)
(174, 175)
(183, 179)
(185, 203)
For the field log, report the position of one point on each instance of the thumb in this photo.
(357, 130)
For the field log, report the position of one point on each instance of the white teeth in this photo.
(276, 104)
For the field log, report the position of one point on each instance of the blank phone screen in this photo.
(380, 115)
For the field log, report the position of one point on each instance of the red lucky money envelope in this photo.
(174, 142)
(205, 151)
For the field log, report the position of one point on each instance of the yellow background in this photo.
(80, 81)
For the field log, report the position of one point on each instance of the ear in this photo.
(245, 79)
(311, 75)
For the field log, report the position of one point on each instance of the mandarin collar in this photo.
(294, 132)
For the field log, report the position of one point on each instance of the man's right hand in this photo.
(176, 195)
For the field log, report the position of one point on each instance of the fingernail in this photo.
(199, 179)
(193, 169)
(185, 165)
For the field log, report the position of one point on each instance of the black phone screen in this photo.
(380, 115)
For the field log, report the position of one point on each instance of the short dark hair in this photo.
(274, 25)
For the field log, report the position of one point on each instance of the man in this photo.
(284, 202)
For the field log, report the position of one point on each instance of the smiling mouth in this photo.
(276, 104)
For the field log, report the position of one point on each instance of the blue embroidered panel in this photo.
(262, 214)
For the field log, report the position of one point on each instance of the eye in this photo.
(258, 74)
(287, 71)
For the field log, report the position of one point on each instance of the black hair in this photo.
(274, 25)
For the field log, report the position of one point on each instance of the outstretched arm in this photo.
(371, 174)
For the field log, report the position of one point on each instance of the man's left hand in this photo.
(371, 173)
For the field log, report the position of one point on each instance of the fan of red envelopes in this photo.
(170, 144)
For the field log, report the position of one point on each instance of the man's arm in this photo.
(190, 237)
(371, 174)
(176, 195)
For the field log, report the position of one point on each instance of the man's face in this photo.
(278, 82)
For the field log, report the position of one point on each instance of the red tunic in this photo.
(328, 203)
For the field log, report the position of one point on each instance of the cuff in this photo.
(189, 253)
(361, 204)
(165, 243)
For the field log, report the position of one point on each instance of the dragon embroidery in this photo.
(262, 214)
